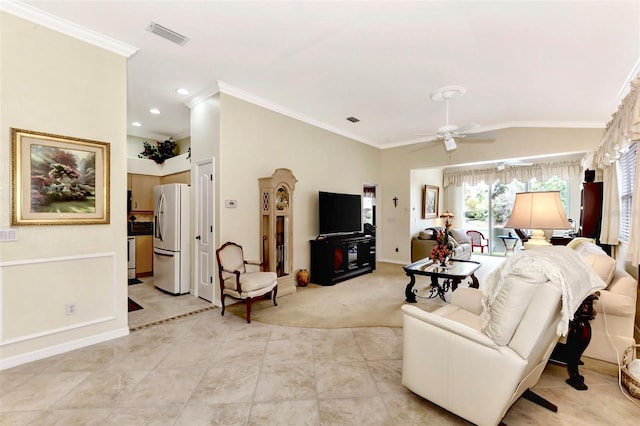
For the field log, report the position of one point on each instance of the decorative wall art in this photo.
(58, 180)
(430, 201)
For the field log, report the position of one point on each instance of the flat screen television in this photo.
(339, 213)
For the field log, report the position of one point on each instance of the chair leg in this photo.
(222, 301)
(537, 399)
(275, 294)
(249, 302)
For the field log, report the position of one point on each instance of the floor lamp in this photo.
(537, 211)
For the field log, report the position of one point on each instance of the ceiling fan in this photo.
(449, 132)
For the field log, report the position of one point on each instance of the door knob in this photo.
(197, 237)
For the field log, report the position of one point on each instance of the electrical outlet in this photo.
(71, 308)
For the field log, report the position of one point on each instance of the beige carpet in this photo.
(370, 300)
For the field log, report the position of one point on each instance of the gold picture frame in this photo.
(430, 201)
(58, 180)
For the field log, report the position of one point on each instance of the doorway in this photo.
(205, 242)
(369, 216)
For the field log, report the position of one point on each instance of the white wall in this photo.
(50, 83)
(419, 178)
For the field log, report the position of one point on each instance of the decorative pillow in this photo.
(460, 236)
(603, 265)
(430, 233)
(510, 303)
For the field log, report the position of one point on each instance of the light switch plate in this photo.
(9, 234)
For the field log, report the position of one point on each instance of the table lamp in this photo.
(447, 216)
(537, 211)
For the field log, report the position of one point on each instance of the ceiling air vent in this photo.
(353, 119)
(165, 32)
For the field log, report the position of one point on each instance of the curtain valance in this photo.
(623, 129)
(540, 171)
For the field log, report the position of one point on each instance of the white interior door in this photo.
(205, 245)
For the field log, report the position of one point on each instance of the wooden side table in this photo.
(560, 241)
(577, 341)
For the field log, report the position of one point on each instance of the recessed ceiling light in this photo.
(182, 91)
(137, 124)
(154, 111)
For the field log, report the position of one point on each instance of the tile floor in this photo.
(205, 369)
(158, 305)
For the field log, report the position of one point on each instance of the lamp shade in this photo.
(538, 210)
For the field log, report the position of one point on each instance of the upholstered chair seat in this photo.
(241, 284)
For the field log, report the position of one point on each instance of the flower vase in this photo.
(302, 277)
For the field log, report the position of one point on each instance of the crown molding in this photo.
(40, 17)
(256, 100)
(626, 86)
(202, 94)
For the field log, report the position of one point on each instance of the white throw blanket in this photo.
(558, 264)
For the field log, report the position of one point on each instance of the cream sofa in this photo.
(612, 328)
(477, 355)
(423, 243)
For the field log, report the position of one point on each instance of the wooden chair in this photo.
(478, 240)
(243, 285)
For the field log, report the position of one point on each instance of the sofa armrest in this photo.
(615, 304)
(469, 299)
(449, 325)
(624, 284)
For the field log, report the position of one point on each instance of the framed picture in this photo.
(58, 180)
(430, 195)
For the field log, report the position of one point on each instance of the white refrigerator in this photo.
(171, 242)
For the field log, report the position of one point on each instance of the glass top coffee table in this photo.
(453, 274)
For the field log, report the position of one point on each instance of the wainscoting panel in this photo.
(46, 296)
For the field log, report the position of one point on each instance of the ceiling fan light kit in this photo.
(450, 144)
(450, 131)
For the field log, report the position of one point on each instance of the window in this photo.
(487, 208)
(626, 177)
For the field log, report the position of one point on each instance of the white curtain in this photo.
(621, 132)
(540, 171)
(623, 129)
(633, 253)
(610, 207)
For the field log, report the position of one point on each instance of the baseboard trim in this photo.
(62, 348)
(396, 261)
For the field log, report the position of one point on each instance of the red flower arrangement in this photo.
(443, 247)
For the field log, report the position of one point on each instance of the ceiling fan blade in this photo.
(467, 128)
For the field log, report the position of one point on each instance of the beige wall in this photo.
(254, 142)
(50, 83)
(397, 164)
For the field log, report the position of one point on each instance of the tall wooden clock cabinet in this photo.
(276, 227)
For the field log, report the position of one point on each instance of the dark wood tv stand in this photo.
(339, 258)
